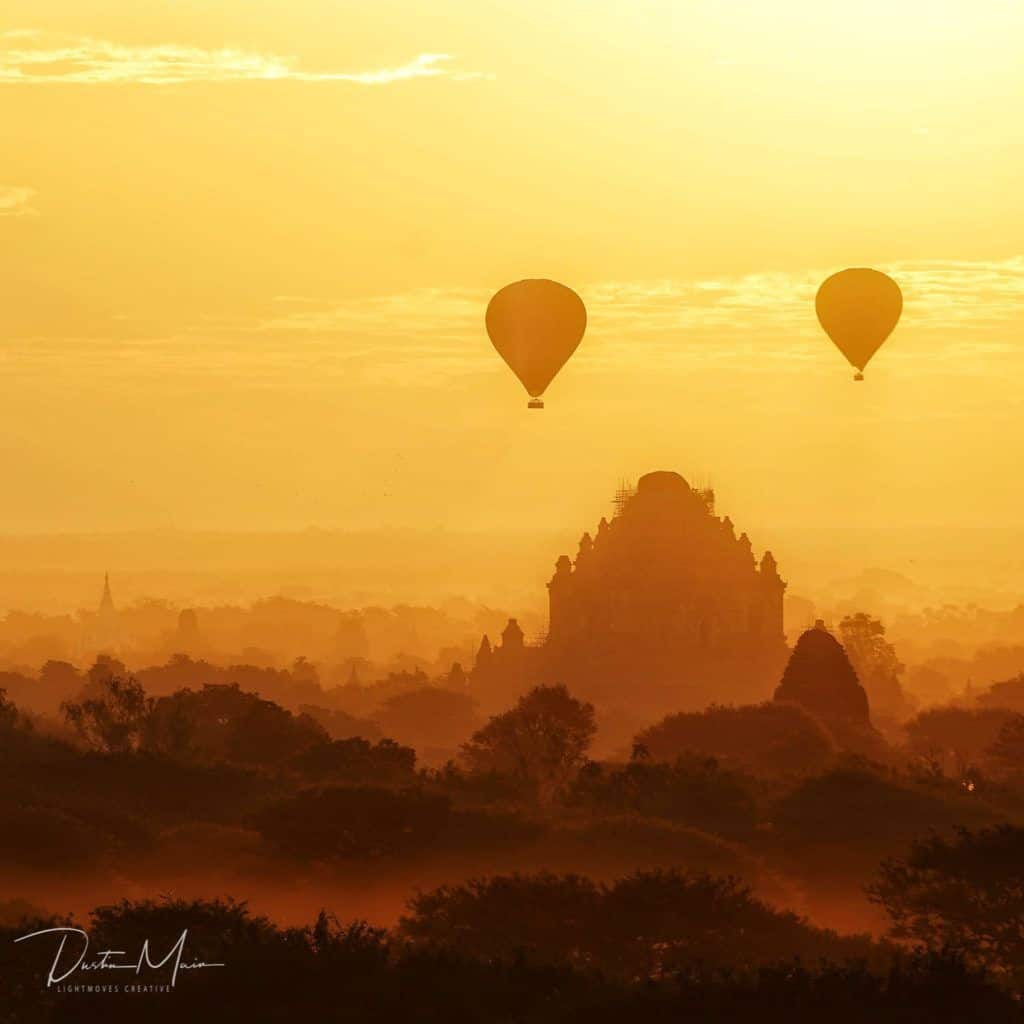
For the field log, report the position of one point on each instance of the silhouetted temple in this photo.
(664, 605)
(820, 678)
(188, 638)
(103, 630)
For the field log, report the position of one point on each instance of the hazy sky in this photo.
(245, 251)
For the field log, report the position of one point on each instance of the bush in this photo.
(542, 741)
(359, 822)
(44, 838)
(429, 717)
(692, 791)
(852, 818)
(955, 738)
(643, 925)
(964, 893)
(225, 723)
(621, 843)
(355, 973)
(356, 760)
(767, 739)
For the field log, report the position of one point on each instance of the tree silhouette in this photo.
(352, 972)
(1006, 755)
(770, 738)
(965, 893)
(876, 663)
(430, 716)
(225, 723)
(542, 741)
(360, 822)
(9, 714)
(641, 926)
(956, 738)
(356, 760)
(114, 718)
(692, 790)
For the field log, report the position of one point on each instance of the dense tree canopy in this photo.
(957, 739)
(351, 972)
(642, 925)
(772, 738)
(964, 892)
(113, 716)
(360, 822)
(876, 663)
(542, 741)
(691, 790)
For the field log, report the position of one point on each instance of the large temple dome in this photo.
(662, 481)
(665, 597)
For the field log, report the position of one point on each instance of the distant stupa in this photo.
(188, 638)
(104, 632)
(107, 600)
(819, 677)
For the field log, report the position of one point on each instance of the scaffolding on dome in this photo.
(623, 496)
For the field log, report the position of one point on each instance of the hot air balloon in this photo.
(536, 325)
(858, 309)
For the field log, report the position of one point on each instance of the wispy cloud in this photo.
(749, 320)
(28, 57)
(938, 294)
(963, 315)
(16, 201)
(958, 293)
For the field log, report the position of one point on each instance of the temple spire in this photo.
(107, 600)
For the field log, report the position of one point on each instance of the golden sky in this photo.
(245, 251)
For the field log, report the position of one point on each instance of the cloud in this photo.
(16, 201)
(943, 294)
(84, 61)
(961, 318)
(938, 294)
(956, 310)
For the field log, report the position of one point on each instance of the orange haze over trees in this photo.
(307, 672)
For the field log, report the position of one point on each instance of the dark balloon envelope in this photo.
(536, 325)
(858, 309)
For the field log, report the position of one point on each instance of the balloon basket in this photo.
(535, 403)
(858, 376)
